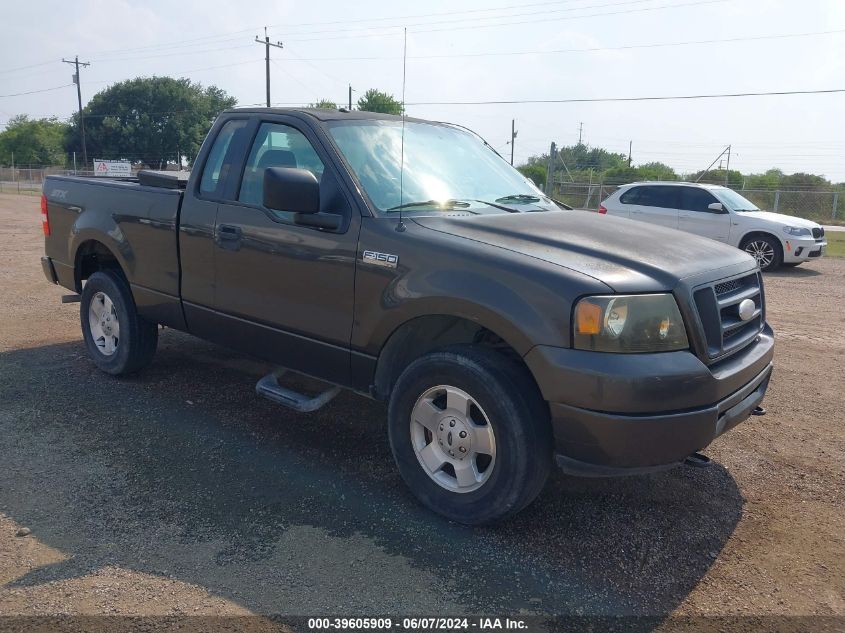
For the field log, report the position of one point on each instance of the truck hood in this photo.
(778, 218)
(625, 255)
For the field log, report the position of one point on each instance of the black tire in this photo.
(138, 337)
(515, 410)
(773, 244)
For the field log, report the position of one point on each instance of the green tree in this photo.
(581, 157)
(717, 177)
(648, 171)
(534, 171)
(806, 182)
(33, 141)
(149, 119)
(324, 103)
(378, 101)
(771, 179)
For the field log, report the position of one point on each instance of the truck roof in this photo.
(326, 114)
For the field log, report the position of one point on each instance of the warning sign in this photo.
(112, 168)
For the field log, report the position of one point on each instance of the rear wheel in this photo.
(118, 340)
(470, 434)
(765, 249)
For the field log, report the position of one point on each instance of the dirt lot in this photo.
(178, 491)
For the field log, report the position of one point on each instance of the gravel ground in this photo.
(178, 491)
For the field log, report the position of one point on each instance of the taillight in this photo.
(45, 219)
(602, 209)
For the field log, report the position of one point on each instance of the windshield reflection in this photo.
(443, 165)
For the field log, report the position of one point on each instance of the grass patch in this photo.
(835, 243)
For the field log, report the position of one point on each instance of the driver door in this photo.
(287, 291)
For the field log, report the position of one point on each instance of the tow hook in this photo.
(758, 411)
(697, 460)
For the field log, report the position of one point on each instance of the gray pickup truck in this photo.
(408, 262)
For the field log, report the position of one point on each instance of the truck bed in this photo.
(138, 222)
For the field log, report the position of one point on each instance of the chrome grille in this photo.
(718, 309)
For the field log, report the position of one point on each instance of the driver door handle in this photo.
(229, 232)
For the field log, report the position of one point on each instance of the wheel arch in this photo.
(423, 334)
(759, 232)
(92, 254)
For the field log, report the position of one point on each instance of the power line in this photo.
(475, 20)
(612, 99)
(228, 34)
(475, 26)
(597, 49)
(32, 92)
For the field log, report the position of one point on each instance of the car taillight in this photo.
(602, 209)
(45, 219)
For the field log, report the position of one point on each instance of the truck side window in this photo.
(276, 145)
(216, 166)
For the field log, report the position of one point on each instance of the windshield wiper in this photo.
(442, 204)
(519, 197)
(499, 206)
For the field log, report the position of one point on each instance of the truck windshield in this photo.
(446, 169)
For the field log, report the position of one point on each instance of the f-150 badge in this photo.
(380, 259)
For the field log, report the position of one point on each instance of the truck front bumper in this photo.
(616, 414)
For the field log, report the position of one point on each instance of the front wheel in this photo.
(118, 339)
(470, 434)
(765, 249)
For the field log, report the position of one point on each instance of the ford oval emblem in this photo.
(747, 309)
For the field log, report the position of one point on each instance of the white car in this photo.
(721, 214)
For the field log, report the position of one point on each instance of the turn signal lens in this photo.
(588, 317)
(45, 220)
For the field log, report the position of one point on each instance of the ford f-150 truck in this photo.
(407, 261)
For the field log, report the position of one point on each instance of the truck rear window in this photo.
(216, 166)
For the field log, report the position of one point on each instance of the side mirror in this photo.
(716, 207)
(291, 189)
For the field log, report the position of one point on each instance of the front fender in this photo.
(525, 301)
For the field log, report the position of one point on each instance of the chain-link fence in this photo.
(820, 206)
(28, 180)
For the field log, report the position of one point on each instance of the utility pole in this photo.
(728, 166)
(267, 44)
(550, 168)
(630, 146)
(580, 130)
(76, 80)
(513, 137)
(719, 159)
(350, 97)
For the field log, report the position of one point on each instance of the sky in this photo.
(472, 51)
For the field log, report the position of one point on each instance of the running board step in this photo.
(269, 388)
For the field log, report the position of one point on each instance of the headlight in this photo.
(797, 231)
(629, 324)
